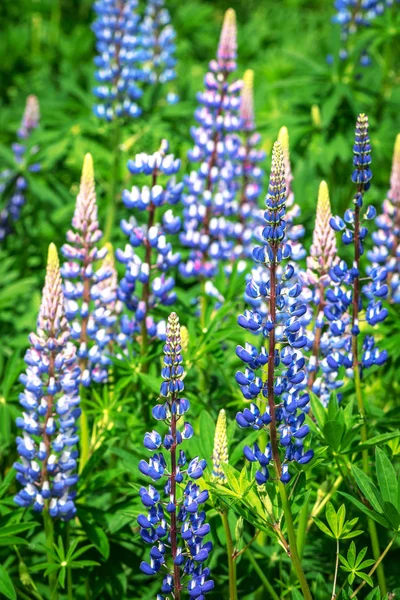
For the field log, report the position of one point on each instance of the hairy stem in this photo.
(230, 556)
(336, 571)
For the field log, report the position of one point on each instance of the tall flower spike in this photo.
(149, 258)
(294, 232)
(210, 191)
(386, 250)
(344, 301)
(322, 377)
(251, 174)
(281, 327)
(119, 59)
(84, 288)
(175, 524)
(51, 408)
(12, 181)
(220, 451)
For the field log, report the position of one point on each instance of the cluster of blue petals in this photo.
(131, 52)
(13, 184)
(149, 257)
(181, 501)
(289, 363)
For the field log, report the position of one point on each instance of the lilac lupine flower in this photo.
(210, 197)
(251, 174)
(119, 59)
(84, 289)
(47, 447)
(282, 359)
(175, 524)
(322, 377)
(13, 182)
(158, 40)
(386, 250)
(149, 258)
(344, 299)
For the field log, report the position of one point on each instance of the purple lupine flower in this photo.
(210, 197)
(84, 290)
(149, 258)
(282, 326)
(47, 447)
(386, 250)
(158, 40)
(251, 174)
(175, 526)
(119, 59)
(322, 377)
(344, 300)
(12, 181)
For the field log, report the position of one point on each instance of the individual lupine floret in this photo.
(47, 447)
(386, 250)
(345, 297)
(210, 196)
(158, 40)
(285, 378)
(353, 15)
(119, 58)
(149, 258)
(220, 451)
(175, 524)
(86, 289)
(322, 378)
(13, 183)
(251, 174)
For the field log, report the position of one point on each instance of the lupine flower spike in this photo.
(119, 59)
(175, 523)
(321, 377)
(344, 300)
(86, 290)
(13, 182)
(210, 198)
(220, 451)
(251, 173)
(386, 250)
(149, 258)
(47, 448)
(275, 372)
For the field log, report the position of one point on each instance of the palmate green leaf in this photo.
(379, 439)
(387, 478)
(6, 585)
(392, 515)
(379, 518)
(324, 528)
(318, 410)
(331, 517)
(233, 477)
(368, 488)
(365, 577)
(16, 528)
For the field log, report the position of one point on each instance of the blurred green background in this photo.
(48, 49)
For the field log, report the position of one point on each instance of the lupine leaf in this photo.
(378, 439)
(318, 410)
(6, 585)
(331, 517)
(386, 477)
(341, 516)
(323, 527)
(392, 514)
(375, 594)
(98, 538)
(365, 577)
(333, 433)
(379, 518)
(351, 554)
(368, 488)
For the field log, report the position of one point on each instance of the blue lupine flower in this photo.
(149, 257)
(12, 181)
(158, 40)
(344, 299)
(119, 59)
(282, 325)
(47, 447)
(174, 526)
(386, 250)
(210, 197)
(90, 294)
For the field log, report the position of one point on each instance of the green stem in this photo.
(70, 593)
(302, 529)
(261, 575)
(230, 555)
(84, 435)
(293, 544)
(49, 533)
(373, 533)
(114, 187)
